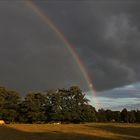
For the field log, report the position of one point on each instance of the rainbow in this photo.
(70, 48)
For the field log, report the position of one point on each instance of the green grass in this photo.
(94, 131)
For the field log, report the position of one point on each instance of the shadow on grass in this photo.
(7, 133)
(127, 133)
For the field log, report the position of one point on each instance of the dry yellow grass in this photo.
(95, 131)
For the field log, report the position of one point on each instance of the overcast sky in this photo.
(106, 35)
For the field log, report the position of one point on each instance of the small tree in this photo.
(131, 116)
(137, 115)
(124, 115)
(102, 115)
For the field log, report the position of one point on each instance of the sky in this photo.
(104, 33)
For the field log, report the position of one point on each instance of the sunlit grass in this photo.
(94, 131)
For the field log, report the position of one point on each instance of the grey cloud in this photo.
(32, 56)
(106, 36)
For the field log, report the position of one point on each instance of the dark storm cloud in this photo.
(106, 34)
(32, 56)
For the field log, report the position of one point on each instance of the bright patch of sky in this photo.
(118, 98)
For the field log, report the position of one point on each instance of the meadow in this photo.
(88, 131)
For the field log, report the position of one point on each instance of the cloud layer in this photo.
(106, 35)
(32, 56)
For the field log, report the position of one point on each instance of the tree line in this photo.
(61, 105)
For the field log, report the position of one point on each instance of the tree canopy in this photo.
(60, 105)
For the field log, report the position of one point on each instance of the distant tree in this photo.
(124, 115)
(131, 116)
(109, 115)
(137, 115)
(102, 115)
(117, 116)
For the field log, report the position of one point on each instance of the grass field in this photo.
(95, 131)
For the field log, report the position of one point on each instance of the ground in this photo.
(94, 131)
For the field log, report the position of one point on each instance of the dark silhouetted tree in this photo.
(137, 115)
(124, 115)
(102, 115)
(9, 101)
(131, 116)
(33, 108)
